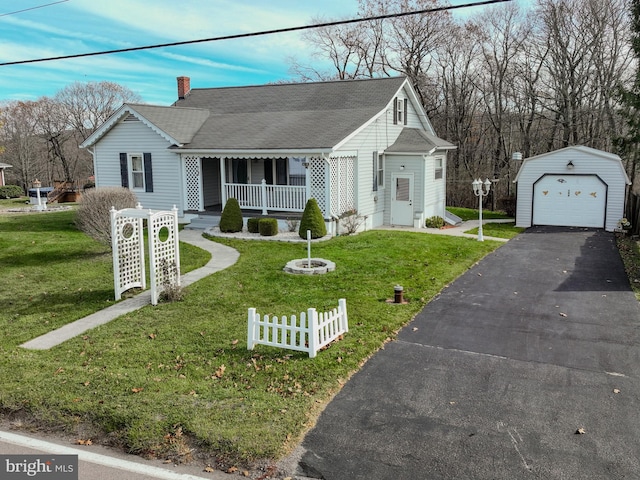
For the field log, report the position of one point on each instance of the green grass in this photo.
(471, 214)
(8, 203)
(162, 378)
(498, 230)
(629, 248)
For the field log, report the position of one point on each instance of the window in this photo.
(400, 111)
(136, 172)
(400, 106)
(439, 161)
(378, 171)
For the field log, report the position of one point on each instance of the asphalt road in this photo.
(527, 366)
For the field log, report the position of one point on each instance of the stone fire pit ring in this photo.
(319, 266)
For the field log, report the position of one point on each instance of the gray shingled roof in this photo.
(287, 116)
(412, 140)
(180, 123)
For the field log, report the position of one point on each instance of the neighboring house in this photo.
(574, 186)
(364, 145)
(2, 167)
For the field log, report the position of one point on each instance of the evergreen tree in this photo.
(312, 220)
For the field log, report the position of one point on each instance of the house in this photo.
(575, 186)
(2, 167)
(364, 145)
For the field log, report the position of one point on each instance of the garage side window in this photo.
(438, 173)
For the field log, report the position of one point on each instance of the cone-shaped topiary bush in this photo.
(231, 219)
(312, 220)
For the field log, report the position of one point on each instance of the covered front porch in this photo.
(270, 185)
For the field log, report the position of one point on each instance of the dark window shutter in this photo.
(375, 171)
(395, 110)
(124, 171)
(406, 103)
(148, 173)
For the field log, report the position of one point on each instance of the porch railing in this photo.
(260, 196)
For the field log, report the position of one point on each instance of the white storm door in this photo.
(569, 200)
(402, 199)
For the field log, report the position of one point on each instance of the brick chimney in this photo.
(184, 87)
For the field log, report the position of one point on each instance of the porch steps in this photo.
(203, 222)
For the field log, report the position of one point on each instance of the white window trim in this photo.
(380, 171)
(132, 186)
(400, 109)
(438, 169)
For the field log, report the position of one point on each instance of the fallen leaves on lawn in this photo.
(137, 389)
(220, 371)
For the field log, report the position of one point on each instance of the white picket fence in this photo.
(312, 332)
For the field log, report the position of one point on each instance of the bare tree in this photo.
(88, 105)
(24, 148)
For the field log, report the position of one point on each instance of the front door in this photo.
(402, 199)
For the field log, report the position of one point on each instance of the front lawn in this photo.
(165, 379)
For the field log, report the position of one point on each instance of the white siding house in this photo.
(575, 186)
(363, 145)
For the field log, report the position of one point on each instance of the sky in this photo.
(82, 26)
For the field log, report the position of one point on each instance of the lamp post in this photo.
(480, 190)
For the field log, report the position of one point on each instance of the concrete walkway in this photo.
(221, 258)
(457, 231)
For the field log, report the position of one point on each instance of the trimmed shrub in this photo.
(312, 220)
(231, 219)
(434, 222)
(93, 217)
(252, 224)
(268, 227)
(11, 191)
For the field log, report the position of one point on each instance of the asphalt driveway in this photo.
(527, 366)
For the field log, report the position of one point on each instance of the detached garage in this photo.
(574, 187)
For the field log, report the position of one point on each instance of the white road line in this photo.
(96, 458)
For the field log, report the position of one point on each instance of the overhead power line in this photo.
(32, 8)
(255, 34)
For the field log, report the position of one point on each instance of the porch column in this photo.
(223, 180)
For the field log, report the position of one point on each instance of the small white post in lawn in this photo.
(308, 248)
(480, 192)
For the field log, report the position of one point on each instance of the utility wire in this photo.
(256, 34)
(32, 8)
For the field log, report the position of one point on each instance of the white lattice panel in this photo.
(128, 253)
(342, 184)
(317, 176)
(193, 183)
(163, 252)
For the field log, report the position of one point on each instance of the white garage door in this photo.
(569, 200)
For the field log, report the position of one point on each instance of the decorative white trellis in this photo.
(127, 241)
